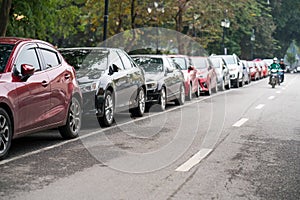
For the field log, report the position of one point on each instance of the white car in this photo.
(236, 70)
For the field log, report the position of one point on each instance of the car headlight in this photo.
(89, 87)
(152, 85)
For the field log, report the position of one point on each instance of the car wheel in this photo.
(140, 109)
(190, 95)
(162, 99)
(209, 90)
(197, 93)
(222, 87)
(108, 111)
(72, 127)
(241, 84)
(181, 99)
(237, 82)
(5, 133)
(228, 86)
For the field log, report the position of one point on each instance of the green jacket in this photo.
(274, 66)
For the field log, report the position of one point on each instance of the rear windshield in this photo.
(199, 63)
(150, 64)
(5, 51)
(86, 61)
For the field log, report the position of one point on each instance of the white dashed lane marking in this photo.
(194, 160)
(240, 122)
(271, 97)
(260, 106)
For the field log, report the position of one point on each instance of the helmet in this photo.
(281, 60)
(274, 59)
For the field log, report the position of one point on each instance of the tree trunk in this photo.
(4, 16)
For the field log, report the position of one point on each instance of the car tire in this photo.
(241, 84)
(208, 92)
(6, 132)
(228, 86)
(222, 87)
(140, 109)
(72, 127)
(190, 95)
(162, 99)
(108, 110)
(197, 93)
(181, 99)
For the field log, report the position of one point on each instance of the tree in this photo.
(4, 16)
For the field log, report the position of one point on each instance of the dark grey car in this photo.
(164, 79)
(109, 80)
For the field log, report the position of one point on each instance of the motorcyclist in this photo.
(275, 66)
(282, 66)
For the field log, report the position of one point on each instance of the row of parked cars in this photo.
(42, 87)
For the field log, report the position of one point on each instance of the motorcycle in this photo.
(274, 78)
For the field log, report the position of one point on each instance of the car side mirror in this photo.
(113, 69)
(26, 71)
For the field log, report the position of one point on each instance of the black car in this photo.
(164, 79)
(109, 80)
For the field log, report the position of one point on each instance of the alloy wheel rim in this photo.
(163, 99)
(4, 134)
(182, 93)
(142, 101)
(109, 110)
(75, 116)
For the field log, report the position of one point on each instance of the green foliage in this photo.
(80, 22)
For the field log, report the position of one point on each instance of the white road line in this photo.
(278, 92)
(194, 160)
(240, 122)
(260, 106)
(271, 97)
(105, 129)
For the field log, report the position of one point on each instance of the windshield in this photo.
(87, 62)
(229, 60)
(150, 64)
(215, 62)
(181, 62)
(5, 51)
(199, 63)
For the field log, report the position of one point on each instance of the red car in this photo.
(254, 72)
(205, 75)
(38, 91)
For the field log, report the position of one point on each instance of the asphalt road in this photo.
(240, 144)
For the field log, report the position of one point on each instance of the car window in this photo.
(181, 62)
(215, 62)
(87, 62)
(51, 58)
(150, 64)
(199, 63)
(5, 51)
(114, 59)
(126, 62)
(229, 59)
(28, 55)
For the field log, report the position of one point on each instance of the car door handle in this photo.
(45, 83)
(67, 76)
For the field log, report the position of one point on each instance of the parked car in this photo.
(164, 79)
(206, 75)
(235, 69)
(222, 72)
(109, 80)
(262, 67)
(246, 70)
(254, 73)
(184, 63)
(38, 91)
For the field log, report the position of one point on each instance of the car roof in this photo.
(149, 55)
(87, 48)
(14, 40)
